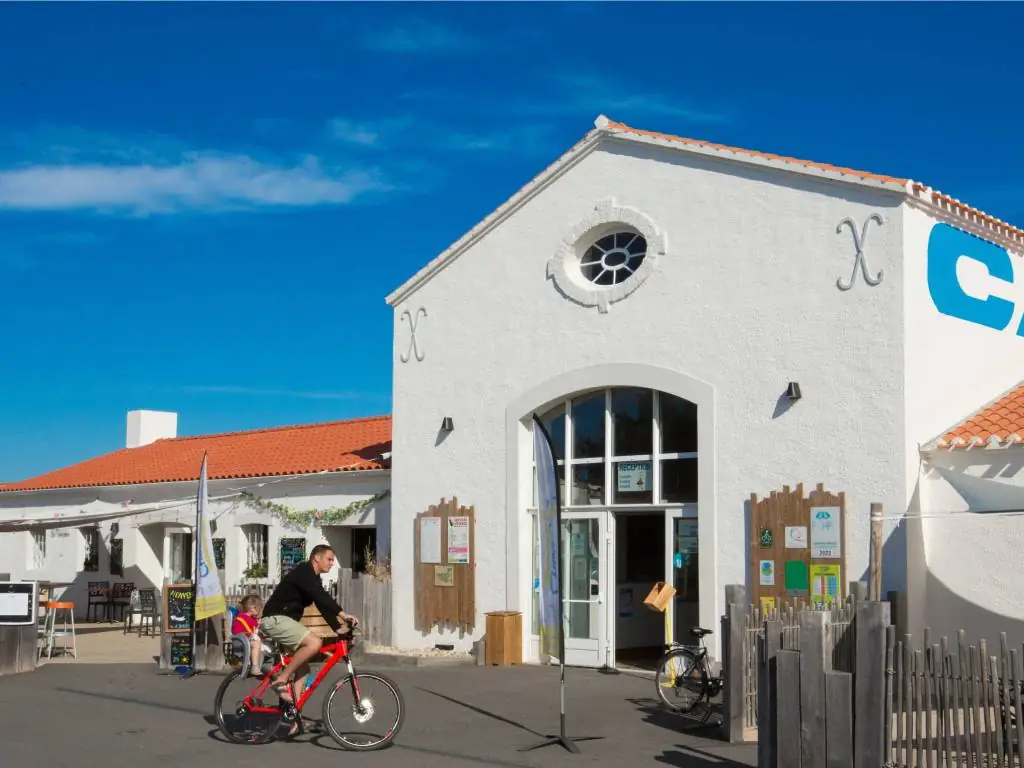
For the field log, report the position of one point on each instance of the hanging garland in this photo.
(307, 517)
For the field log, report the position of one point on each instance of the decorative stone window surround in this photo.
(607, 217)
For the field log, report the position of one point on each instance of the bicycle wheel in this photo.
(374, 694)
(232, 709)
(682, 680)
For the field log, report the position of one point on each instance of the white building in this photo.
(128, 516)
(653, 296)
(969, 475)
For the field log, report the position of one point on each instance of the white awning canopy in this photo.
(91, 514)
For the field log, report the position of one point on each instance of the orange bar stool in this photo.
(68, 611)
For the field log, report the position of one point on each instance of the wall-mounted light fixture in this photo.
(447, 425)
(115, 528)
(793, 391)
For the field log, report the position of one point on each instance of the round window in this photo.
(614, 258)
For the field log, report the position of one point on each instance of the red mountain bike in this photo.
(247, 703)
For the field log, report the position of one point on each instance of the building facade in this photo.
(651, 298)
(129, 516)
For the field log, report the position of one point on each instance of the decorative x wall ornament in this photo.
(414, 347)
(860, 260)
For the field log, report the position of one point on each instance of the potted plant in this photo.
(255, 573)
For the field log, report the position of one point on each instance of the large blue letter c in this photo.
(946, 246)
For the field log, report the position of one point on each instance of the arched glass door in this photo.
(621, 451)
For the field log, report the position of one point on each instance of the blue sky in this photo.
(203, 206)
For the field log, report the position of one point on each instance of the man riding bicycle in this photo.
(282, 613)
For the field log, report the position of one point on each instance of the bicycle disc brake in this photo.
(364, 712)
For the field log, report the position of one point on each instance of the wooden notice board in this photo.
(797, 548)
(179, 607)
(445, 568)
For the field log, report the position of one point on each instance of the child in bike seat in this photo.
(246, 622)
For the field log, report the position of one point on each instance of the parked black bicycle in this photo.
(684, 677)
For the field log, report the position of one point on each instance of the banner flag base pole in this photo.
(562, 740)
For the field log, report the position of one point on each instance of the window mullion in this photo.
(567, 480)
(608, 448)
(656, 448)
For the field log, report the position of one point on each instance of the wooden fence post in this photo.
(875, 559)
(734, 631)
(869, 684)
(735, 594)
(815, 661)
(787, 708)
(859, 590)
(767, 712)
(839, 719)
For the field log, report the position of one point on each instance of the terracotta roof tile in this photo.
(998, 424)
(352, 445)
(622, 127)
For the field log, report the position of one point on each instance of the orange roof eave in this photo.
(355, 445)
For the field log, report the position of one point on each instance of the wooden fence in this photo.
(836, 688)
(953, 705)
(812, 715)
(743, 628)
(362, 595)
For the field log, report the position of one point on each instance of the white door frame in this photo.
(687, 511)
(590, 652)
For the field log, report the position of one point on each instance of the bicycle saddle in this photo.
(700, 632)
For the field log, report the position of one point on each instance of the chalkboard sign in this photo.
(18, 602)
(293, 552)
(179, 607)
(181, 651)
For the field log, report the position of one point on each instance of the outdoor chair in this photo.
(142, 608)
(120, 597)
(99, 597)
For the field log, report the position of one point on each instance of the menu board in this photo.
(18, 600)
(181, 651)
(293, 553)
(179, 607)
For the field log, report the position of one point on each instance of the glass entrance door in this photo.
(585, 550)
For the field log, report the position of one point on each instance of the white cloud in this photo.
(199, 180)
(293, 393)
(351, 132)
(596, 95)
(415, 35)
(420, 135)
(574, 96)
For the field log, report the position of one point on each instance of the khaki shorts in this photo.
(285, 631)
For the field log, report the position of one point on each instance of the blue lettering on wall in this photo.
(946, 246)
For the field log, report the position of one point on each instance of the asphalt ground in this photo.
(92, 715)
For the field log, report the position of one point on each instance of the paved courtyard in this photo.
(91, 715)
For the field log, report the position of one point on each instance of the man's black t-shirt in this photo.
(298, 590)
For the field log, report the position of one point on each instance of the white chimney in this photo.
(145, 427)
